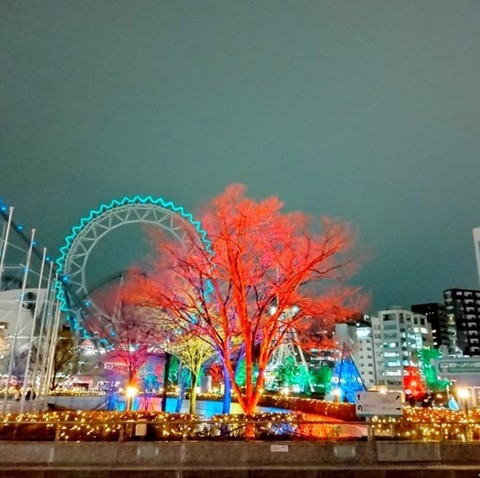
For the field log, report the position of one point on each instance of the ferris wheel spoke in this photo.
(108, 217)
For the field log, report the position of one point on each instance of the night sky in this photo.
(364, 110)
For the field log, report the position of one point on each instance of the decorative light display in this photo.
(321, 378)
(416, 424)
(117, 426)
(429, 424)
(347, 380)
(413, 383)
(290, 375)
(76, 392)
(311, 406)
(425, 357)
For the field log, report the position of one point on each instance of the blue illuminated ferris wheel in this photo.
(73, 291)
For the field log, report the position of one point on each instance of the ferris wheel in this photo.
(73, 290)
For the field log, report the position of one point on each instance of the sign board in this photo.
(279, 448)
(369, 404)
(476, 396)
(141, 429)
(456, 366)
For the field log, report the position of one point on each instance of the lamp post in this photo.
(464, 395)
(130, 394)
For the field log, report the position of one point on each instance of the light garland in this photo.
(76, 392)
(429, 425)
(417, 424)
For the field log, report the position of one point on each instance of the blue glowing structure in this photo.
(346, 378)
(71, 286)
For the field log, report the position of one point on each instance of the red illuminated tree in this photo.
(216, 372)
(268, 274)
(127, 334)
(413, 383)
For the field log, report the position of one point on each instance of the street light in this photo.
(130, 393)
(464, 395)
(337, 394)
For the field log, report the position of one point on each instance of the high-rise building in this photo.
(398, 335)
(463, 308)
(436, 315)
(476, 241)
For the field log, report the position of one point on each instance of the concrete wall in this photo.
(78, 403)
(242, 459)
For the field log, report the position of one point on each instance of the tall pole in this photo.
(53, 344)
(5, 243)
(40, 344)
(46, 345)
(32, 333)
(18, 318)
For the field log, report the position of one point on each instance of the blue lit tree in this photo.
(347, 380)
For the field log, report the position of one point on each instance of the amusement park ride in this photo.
(74, 293)
(61, 289)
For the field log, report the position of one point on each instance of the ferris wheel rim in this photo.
(127, 203)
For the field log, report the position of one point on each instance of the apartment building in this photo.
(463, 313)
(443, 330)
(398, 335)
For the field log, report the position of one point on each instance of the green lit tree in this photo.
(290, 374)
(321, 379)
(425, 358)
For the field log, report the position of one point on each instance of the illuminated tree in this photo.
(347, 379)
(425, 357)
(321, 379)
(289, 374)
(133, 333)
(193, 352)
(65, 359)
(263, 264)
(216, 372)
(413, 382)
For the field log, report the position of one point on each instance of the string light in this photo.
(419, 424)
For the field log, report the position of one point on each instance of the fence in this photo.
(171, 428)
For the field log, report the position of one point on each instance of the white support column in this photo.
(13, 345)
(3, 252)
(53, 344)
(46, 346)
(26, 374)
(42, 331)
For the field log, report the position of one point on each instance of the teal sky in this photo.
(364, 110)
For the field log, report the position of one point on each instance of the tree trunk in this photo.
(193, 394)
(168, 357)
(227, 393)
(182, 385)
